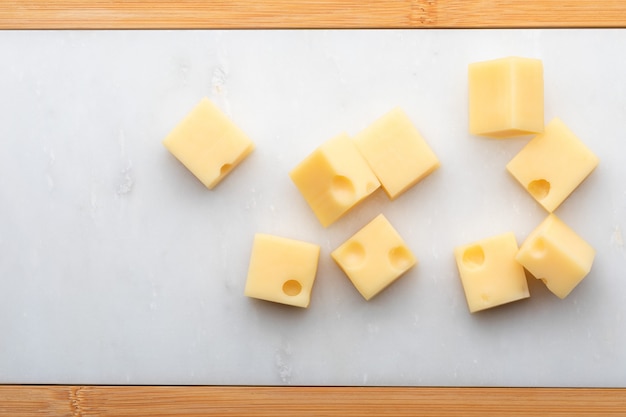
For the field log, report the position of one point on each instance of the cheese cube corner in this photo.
(556, 255)
(282, 270)
(334, 178)
(552, 165)
(506, 97)
(374, 257)
(489, 273)
(208, 143)
(396, 152)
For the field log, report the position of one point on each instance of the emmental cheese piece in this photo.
(208, 143)
(334, 178)
(556, 255)
(506, 97)
(552, 165)
(282, 270)
(374, 257)
(489, 272)
(396, 151)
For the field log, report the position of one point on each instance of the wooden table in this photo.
(59, 400)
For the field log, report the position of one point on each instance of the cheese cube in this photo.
(552, 165)
(506, 97)
(208, 143)
(282, 270)
(556, 255)
(489, 272)
(374, 257)
(396, 151)
(334, 178)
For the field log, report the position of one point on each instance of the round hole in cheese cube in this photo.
(538, 249)
(400, 258)
(225, 169)
(474, 257)
(292, 287)
(371, 187)
(539, 189)
(342, 190)
(354, 255)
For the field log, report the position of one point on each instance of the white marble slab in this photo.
(118, 266)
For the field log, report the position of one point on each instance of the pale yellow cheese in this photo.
(489, 272)
(506, 97)
(397, 152)
(334, 178)
(208, 143)
(374, 257)
(282, 270)
(556, 255)
(552, 165)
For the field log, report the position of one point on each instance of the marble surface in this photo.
(118, 266)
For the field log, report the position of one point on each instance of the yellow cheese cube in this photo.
(552, 165)
(506, 97)
(556, 255)
(374, 257)
(334, 178)
(282, 270)
(396, 151)
(208, 143)
(489, 272)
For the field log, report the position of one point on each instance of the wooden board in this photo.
(265, 401)
(18, 401)
(159, 14)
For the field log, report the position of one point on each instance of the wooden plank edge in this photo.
(65, 400)
(314, 14)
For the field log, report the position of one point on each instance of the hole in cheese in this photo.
(539, 248)
(539, 189)
(400, 258)
(354, 255)
(342, 190)
(474, 257)
(225, 168)
(371, 187)
(292, 287)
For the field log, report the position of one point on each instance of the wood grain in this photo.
(202, 14)
(17, 401)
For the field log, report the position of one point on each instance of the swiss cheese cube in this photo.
(556, 255)
(282, 270)
(334, 178)
(208, 143)
(374, 257)
(489, 272)
(552, 165)
(396, 151)
(506, 97)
